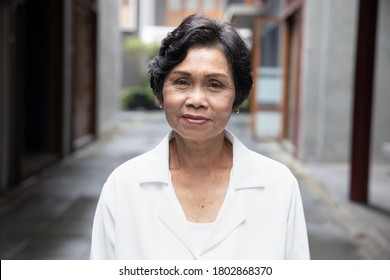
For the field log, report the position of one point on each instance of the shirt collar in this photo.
(157, 163)
(246, 172)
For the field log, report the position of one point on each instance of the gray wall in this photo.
(109, 64)
(381, 121)
(329, 45)
(160, 14)
(327, 79)
(147, 13)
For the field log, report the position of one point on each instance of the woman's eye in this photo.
(215, 86)
(182, 83)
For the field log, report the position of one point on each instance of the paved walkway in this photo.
(50, 217)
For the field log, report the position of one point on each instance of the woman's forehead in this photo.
(210, 59)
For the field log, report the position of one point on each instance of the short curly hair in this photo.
(200, 30)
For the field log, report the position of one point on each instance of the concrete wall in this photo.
(328, 54)
(109, 54)
(147, 13)
(381, 115)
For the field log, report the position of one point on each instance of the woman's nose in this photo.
(197, 97)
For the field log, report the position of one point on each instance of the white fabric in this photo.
(199, 233)
(139, 216)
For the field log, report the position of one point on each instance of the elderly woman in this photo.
(200, 194)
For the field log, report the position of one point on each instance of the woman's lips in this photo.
(195, 120)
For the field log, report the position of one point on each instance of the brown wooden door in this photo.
(83, 73)
(293, 65)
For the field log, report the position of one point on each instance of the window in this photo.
(128, 15)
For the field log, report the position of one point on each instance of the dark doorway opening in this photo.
(35, 87)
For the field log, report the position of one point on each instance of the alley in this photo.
(51, 216)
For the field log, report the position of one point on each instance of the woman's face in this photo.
(199, 94)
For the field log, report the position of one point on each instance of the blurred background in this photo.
(73, 80)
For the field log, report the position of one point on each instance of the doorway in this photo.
(34, 90)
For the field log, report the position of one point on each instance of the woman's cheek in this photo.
(173, 98)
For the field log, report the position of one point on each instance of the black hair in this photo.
(195, 30)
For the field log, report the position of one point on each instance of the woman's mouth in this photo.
(195, 119)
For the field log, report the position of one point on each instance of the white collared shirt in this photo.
(199, 233)
(139, 216)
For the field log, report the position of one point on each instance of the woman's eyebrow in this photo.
(182, 73)
(217, 75)
(210, 75)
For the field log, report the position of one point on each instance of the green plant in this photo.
(138, 97)
(136, 49)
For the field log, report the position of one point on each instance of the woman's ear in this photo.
(160, 102)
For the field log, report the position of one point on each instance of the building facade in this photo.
(321, 81)
(305, 64)
(60, 72)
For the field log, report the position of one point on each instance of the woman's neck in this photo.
(215, 152)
